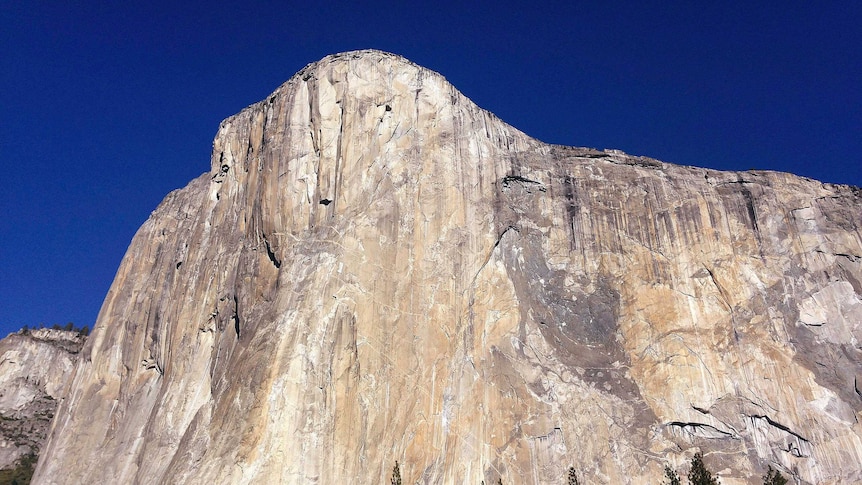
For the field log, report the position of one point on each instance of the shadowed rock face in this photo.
(375, 269)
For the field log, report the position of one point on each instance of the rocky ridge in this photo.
(35, 372)
(375, 269)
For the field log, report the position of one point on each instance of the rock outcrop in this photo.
(35, 372)
(375, 269)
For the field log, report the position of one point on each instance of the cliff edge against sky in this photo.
(375, 269)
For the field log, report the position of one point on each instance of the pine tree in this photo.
(774, 477)
(699, 475)
(672, 476)
(573, 476)
(396, 475)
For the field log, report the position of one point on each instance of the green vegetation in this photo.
(21, 474)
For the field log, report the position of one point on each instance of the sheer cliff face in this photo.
(375, 269)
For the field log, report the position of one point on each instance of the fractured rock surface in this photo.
(36, 369)
(375, 269)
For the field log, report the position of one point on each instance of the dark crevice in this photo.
(852, 257)
(220, 160)
(523, 181)
(702, 430)
(271, 254)
(491, 252)
(778, 425)
(700, 410)
(513, 228)
(752, 213)
(749, 204)
(594, 155)
(325, 201)
(719, 288)
(518, 178)
(153, 364)
(572, 208)
(339, 155)
(236, 316)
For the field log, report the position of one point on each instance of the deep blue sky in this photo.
(106, 108)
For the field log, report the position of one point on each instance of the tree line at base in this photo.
(698, 474)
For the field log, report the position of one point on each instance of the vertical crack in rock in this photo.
(491, 254)
(725, 297)
(270, 253)
(339, 156)
(235, 316)
(749, 205)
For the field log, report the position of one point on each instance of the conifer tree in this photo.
(672, 476)
(573, 476)
(396, 475)
(774, 477)
(699, 475)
